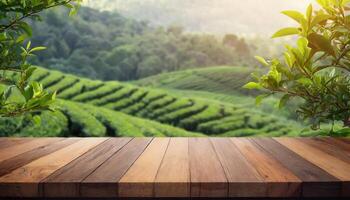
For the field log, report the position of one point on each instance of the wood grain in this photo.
(173, 177)
(23, 182)
(208, 178)
(244, 180)
(328, 147)
(65, 181)
(341, 144)
(103, 181)
(7, 142)
(174, 167)
(12, 151)
(329, 163)
(316, 182)
(139, 179)
(281, 182)
(13, 163)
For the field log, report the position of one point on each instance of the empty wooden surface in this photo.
(174, 167)
(173, 176)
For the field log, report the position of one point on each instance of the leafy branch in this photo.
(317, 69)
(18, 94)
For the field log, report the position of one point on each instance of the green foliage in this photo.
(112, 47)
(162, 106)
(14, 53)
(217, 79)
(316, 70)
(139, 111)
(81, 122)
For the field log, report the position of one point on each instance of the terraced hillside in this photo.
(77, 119)
(161, 106)
(220, 79)
(223, 85)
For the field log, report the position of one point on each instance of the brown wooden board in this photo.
(13, 163)
(208, 178)
(103, 181)
(341, 144)
(173, 177)
(346, 140)
(65, 181)
(281, 182)
(316, 182)
(328, 147)
(24, 181)
(14, 150)
(7, 142)
(329, 163)
(175, 167)
(244, 180)
(138, 181)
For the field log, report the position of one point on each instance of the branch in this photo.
(30, 14)
(10, 69)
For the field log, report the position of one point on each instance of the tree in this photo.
(316, 70)
(15, 49)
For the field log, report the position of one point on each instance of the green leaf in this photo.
(262, 60)
(28, 45)
(8, 92)
(305, 81)
(28, 93)
(297, 16)
(285, 32)
(37, 49)
(37, 120)
(319, 43)
(3, 36)
(29, 72)
(260, 98)
(309, 13)
(323, 3)
(68, 5)
(37, 88)
(252, 85)
(26, 28)
(21, 38)
(319, 19)
(284, 100)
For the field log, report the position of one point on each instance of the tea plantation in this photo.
(96, 108)
(220, 79)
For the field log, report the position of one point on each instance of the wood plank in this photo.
(23, 182)
(329, 163)
(341, 144)
(102, 183)
(208, 178)
(12, 151)
(244, 180)
(173, 177)
(346, 140)
(138, 181)
(281, 182)
(316, 182)
(65, 181)
(328, 147)
(13, 163)
(7, 142)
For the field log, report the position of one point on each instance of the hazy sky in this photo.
(214, 16)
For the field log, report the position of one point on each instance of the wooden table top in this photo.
(174, 167)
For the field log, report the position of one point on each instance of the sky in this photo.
(212, 16)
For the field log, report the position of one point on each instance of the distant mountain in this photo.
(246, 17)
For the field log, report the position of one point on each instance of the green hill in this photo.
(97, 108)
(220, 79)
(83, 120)
(162, 107)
